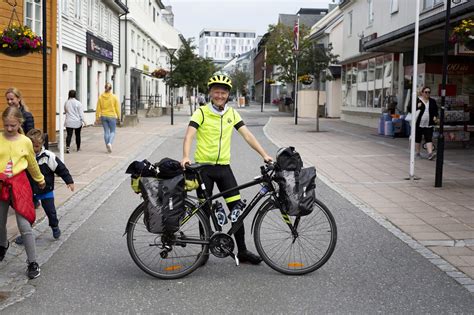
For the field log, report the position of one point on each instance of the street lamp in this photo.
(171, 52)
(440, 154)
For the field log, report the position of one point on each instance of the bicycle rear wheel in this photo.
(295, 253)
(164, 256)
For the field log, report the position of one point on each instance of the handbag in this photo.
(408, 117)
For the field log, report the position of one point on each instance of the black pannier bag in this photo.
(164, 196)
(296, 184)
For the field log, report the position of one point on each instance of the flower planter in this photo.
(469, 44)
(15, 53)
(306, 82)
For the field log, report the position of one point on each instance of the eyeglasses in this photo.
(427, 92)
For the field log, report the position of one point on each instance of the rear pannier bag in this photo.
(296, 184)
(164, 203)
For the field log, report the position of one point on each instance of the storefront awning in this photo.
(431, 32)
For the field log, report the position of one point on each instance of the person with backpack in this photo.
(213, 125)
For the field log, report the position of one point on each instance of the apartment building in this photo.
(221, 45)
(148, 39)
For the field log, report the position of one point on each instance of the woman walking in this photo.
(14, 98)
(108, 113)
(427, 116)
(74, 120)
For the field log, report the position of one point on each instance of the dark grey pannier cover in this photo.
(164, 200)
(297, 190)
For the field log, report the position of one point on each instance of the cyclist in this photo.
(213, 126)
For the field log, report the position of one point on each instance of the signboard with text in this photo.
(99, 48)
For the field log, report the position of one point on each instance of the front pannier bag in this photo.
(297, 185)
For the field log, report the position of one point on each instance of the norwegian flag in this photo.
(296, 35)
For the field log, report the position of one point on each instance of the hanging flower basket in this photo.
(18, 40)
(464, 34)
(306, 79)
(271, 81)
(159, 73)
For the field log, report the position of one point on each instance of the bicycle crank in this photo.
(221, 245)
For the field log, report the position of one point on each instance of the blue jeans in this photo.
(109, 124)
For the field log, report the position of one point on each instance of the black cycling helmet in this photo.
(220, 79)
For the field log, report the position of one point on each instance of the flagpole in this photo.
(414, 92)
(296, 31)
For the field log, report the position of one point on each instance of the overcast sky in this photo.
(191, 16)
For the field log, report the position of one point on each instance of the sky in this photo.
(191, 16)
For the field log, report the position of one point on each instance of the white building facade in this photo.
(148, 39)
(378, 53)
(221, 45)
(90, 50)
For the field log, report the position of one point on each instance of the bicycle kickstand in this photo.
(235, 258)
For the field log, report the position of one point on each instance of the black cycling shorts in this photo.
(223, 177)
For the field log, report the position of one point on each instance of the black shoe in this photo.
(19, 240)
(68, 150)
(33, 270)
(248, 256)
(56, 232)
(3, 251)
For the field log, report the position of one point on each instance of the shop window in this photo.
(362, 74)
(370, 98)
(361, 98)
(371, 71)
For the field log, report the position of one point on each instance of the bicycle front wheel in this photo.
(168, 256)
(297, 252)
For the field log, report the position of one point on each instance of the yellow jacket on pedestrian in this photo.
(108, 106)
(20, 152)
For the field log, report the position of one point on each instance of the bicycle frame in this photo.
(266, 188)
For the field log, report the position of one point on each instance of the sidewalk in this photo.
(93, 160)
(370, 171)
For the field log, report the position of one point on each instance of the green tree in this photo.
(316, 61)
(189, 70)
(280, 50)
(240, 79)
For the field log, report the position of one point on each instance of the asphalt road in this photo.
(371, 271)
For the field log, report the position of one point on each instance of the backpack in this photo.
(296, 184)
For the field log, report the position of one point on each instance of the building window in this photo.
(90, 12)
(429, 4)
(143, 48)
(78, 77)
(78, 9)
(65, 7)
(33, 16)
(108, 24)
(132, 36)
(394, 6)
(100, 25)
(154, 15)
(138, 45)
(370, 20)
(349, 15)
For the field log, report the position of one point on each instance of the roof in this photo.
(307, 20)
